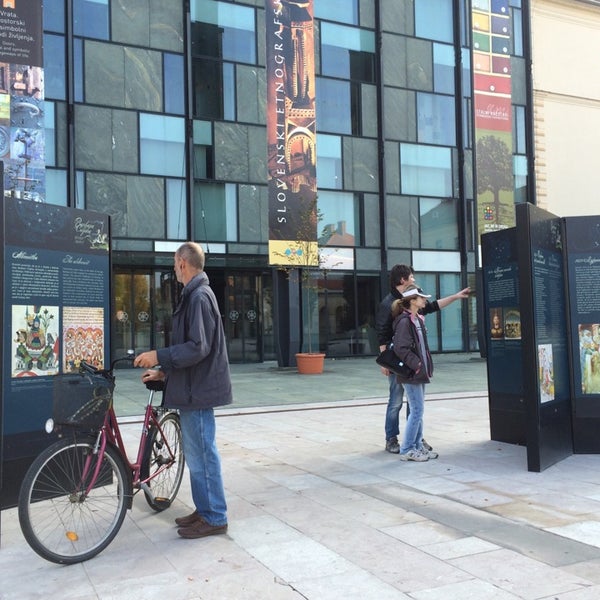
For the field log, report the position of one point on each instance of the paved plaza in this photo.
(318, 510)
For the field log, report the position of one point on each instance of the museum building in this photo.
(156, 114)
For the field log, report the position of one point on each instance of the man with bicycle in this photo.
(195, 369)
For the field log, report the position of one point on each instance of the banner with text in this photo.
(493, 114)
(22, 130)
(291, 133)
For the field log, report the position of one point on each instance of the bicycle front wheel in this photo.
(163, 463)
(63, 520)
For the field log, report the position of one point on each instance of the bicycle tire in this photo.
(59, 523)
(164, 486)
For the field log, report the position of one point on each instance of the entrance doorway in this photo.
(144, 300)
(142, 309)
(243, 324)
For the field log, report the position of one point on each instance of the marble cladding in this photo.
(104, 73)
(135, 204)
(152, 23)
(240, 152)
(398, 16)
(253, 213)
(125, 153)
(400, 120)
(123, 76)
(143, 79)
(93, 142)
(106, 140)
(252, 94)
(369, 110)
(419, 64)
(392, 168)
(371, 221)
(402, 223)
(360, 164)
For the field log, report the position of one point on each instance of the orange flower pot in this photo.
(310, 363)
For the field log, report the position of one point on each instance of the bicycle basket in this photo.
(81, 401)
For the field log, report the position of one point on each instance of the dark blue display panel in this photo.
(56, 312)
(545, 336)
(503, 335)
(583, 264)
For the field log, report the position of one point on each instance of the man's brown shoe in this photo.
(188, 520)
(201, 529)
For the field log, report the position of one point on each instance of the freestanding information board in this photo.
(56, 312)
(544, 327)
(502, 331)
(583, 263)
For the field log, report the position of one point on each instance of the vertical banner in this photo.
(291, 133)
(22, 133)
(493, 114)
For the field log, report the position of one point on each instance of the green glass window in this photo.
(223, 30)
(56, 186)
(347, 52)
(425, 170)
(438, 224)
(215, 212)
(162, 145)
(203, 150)
(174, 83)
(333, 106)
(90, 18)
(54, 67)
(329, 161)
(339, 224)
(433, 20)
(436, 119)
(337, 10)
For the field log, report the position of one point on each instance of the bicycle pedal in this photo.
(162, 502)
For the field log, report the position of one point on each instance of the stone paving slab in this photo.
(317, 510)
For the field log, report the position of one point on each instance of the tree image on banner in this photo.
(494, 174)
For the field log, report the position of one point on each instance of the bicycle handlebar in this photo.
(85, 367)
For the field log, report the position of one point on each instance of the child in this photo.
(410, 345)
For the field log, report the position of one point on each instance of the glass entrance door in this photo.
(243, 318)
(142, 310)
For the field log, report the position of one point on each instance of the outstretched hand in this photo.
(463, 293)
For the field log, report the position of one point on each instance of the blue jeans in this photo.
(198, 429)
(392, 413)
(413, 434)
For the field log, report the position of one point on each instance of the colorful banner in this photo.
(291, 133)
(22, 129)
(493, 115)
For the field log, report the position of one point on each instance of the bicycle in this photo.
(75, 495)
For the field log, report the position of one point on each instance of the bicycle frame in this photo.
(110, 433)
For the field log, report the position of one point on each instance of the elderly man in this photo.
(195, 369)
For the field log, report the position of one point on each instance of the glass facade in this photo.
(157, 117)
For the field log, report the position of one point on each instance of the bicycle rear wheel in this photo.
(163, 463)
(59, 520)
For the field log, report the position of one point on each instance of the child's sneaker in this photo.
(415, 455)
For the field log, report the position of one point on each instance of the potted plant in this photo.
(303, 264)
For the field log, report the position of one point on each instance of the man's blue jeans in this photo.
(202, 458)
(392, 414)
(413, 434)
